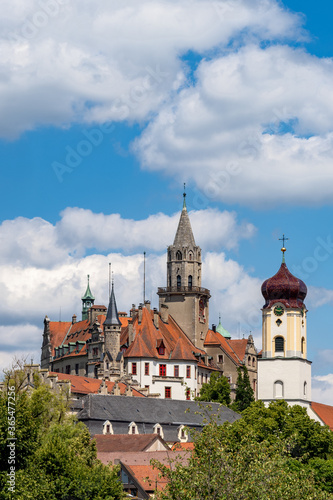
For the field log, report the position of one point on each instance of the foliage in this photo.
(216, 390)
(55, 457)
(244, 391)
(270, 453)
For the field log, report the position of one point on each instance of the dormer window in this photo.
(133, 428)
(161, 350)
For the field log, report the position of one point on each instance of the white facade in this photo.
(284, 378)
(180, 376)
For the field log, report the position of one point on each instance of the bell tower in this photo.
(284, 371)
(187, 301)
(87, 301)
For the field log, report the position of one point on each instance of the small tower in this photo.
(87, 301)
(222, 330)
(187, 301)
(284, 371)
(112, 330)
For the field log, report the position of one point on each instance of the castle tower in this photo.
(112, 330)
(187, 301)
(284, 371)
(87, 301)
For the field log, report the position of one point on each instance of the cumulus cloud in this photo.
(36, 242)
(121, 61)
(254, 119)
(322, 389)
(319, 296)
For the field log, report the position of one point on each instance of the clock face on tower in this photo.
(278, 310)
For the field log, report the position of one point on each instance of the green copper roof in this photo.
(222, 330)
(88, 294)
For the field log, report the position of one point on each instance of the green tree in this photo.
(216, 390)
(244, 392)
(54, 455)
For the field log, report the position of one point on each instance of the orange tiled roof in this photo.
(239, 347)
(148, 338)
(58, 331)
(125, 442)
(148, 477)
(324, 412)
(87, 385)
(215, 338)
(183, 446)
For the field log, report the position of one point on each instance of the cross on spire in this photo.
(283, 249)
(184, 194)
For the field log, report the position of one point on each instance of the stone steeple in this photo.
(186, 300)
(112, 331)
(112, 318)
(87, 301)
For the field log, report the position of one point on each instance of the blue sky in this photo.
(108, 110)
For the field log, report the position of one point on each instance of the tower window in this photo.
(179, 255)
(133, 368)
(303, 345)
(190, 256)
(179, 281)
(169, 254)
(190, 281)
(146, 368)
(279, 344)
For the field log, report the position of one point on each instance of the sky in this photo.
(107, 108)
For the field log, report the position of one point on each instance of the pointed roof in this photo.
(222, 330)
(88, 294)
(184, 235)
(112, 318)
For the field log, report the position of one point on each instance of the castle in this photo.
(168, 352)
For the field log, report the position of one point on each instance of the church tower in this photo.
(187, 301)
(87, 301)
(284, 371)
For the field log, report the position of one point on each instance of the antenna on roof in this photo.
(144, 277)
(109, 280)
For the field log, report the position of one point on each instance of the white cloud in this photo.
(322, 389)
(102, 70)
(319, 296)
(254, 128)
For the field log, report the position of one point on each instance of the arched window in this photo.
(190, 281)
(253, 361)
(158, 429)
(305, 389)
(107, 427)
(249, 360)
(279, 344)
(278, 389)
(133, 428)
(190, 256)
(169, 255)
(182, 434)
(179, 281)
(169, 281)
(303, 345)
(179, 255)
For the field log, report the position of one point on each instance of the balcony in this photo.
(183, 289)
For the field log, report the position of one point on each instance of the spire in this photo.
(222, 330)
(88, 295)
(112, 318)
(283, 249)
(184, 235)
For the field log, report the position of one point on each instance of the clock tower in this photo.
(187, 301)
(284, 371)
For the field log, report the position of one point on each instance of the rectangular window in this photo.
(76, 369)
(188, 394)
(68, 369)
(167, 392)
(133, 368)
(146, 368)
(162, 370)
(220, 359)
(133, 429)
(188, 371)
(176, 370)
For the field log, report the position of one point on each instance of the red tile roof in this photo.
(58, 331)
(148, 477)
(148, 338)
(87, 385)
(183, 446)
(126, 442)
(215, 338)
(324, 412)
(239, 347)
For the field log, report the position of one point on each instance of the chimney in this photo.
(132, 311)
(156, 318)
(214, 328)
(73, 319)
(130, 332)
(147, 305)
(164, 313)
(140, 314)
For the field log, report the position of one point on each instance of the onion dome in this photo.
(284, 287)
